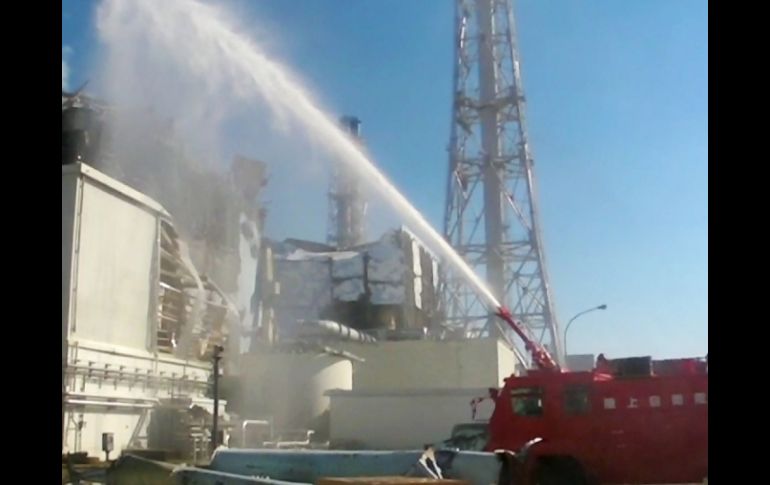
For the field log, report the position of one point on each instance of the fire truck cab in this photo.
(639, 421)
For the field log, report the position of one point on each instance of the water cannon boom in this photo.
(540, 355)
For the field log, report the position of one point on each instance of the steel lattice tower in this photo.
(491, 215)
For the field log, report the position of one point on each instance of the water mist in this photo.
(201, 41)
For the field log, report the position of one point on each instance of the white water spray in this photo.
(200, 39)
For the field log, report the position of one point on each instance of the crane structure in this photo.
(347, 206)
(491, 214)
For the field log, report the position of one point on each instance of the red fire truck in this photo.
(634, 421)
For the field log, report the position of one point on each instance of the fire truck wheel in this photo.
(562, 471)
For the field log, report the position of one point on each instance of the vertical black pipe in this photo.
(215, 422)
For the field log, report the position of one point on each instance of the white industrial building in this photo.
(118, 362)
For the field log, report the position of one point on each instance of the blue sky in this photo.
(618, 116)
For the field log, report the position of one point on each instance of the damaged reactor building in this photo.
(165, 260)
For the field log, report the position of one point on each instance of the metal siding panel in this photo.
(69, 199)
(69, 211)
(117, 240)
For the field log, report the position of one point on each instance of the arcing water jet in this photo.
(200, 39)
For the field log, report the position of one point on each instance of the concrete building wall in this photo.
(506, 362)
(289, 389)
(399, 420)
(429, 364)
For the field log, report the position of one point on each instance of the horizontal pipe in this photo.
(108, 404)
(128, 375)
(97, 397)
(342, 353)
(334, 328)
(79, 344)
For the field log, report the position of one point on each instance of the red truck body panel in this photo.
(641, 429)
